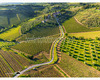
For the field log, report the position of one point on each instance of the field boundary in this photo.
(64, 29)
(62, 71)
(84, 32)
(59, 71)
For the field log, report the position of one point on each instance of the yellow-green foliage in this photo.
(92, 34)
(11, 34)
(6, 44)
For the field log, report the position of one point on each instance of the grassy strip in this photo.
(61, 71)
(7, 64)
(92, 35)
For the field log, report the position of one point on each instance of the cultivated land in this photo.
(39, 29)
(86, 51)
(14, 15)
(72, 26)
(40, 42)
(39, 33)
(43, 71)
(36, 46)
(87, 35)
(11, 34)
(75, 68)
(11, 62)
(40, 38)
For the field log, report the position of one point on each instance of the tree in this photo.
(62, 10)
(81, 38)
(66, 34)
(97, 38)
(13, 40)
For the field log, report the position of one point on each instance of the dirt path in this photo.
(78, 21)
(64, 29)
(63, 71)
(59, 71)
(59, 59)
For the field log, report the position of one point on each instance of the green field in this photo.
(72, 26)
(36, 46)
(86, 51)
(11, 34)
(43, 71)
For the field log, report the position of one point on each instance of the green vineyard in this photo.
(11, 62)
(84, 50)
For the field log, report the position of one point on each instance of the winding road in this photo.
(55, 42)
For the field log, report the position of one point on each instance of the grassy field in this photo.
(11, 34)
(92, 34)
(43, 71)
(75, 68)
(36, 46)
(86, 51)
(72, 26)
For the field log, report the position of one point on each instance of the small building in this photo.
(43, 21)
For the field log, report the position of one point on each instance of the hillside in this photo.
(16, 14)
(72, 26)
(50, 40)
(36, 46)
(89, 17)
(75, 68)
